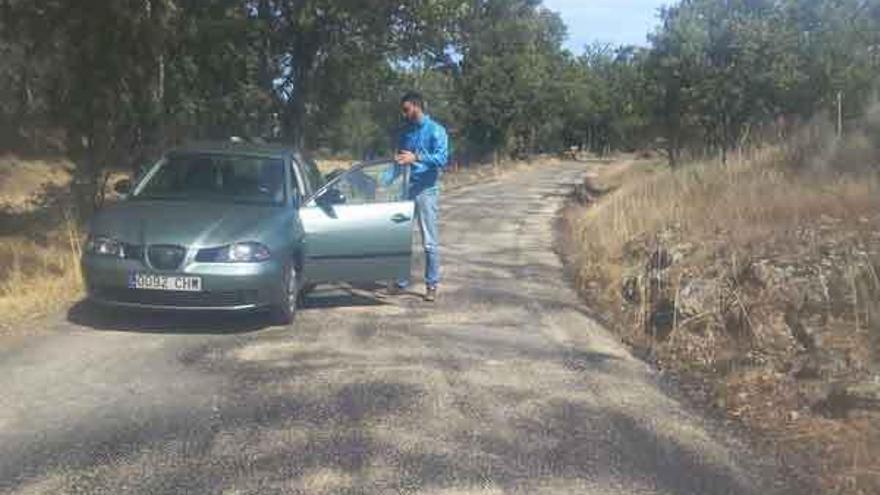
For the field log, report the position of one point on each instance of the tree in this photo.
(510, 54)
(111, 82)
(328, 45)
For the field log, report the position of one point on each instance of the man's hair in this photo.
(413, 97)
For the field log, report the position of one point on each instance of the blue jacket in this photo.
(428, 140)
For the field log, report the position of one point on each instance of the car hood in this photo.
(188, 223)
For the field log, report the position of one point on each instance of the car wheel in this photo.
(284, 313)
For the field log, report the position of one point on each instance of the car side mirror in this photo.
(331, 197)
(122, 187)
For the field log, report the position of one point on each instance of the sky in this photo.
(608, 21)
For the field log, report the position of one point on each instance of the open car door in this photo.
(358, 226)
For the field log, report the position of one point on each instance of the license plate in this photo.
(149, 281)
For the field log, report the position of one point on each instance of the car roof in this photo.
(243, 148)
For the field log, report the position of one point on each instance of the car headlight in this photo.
(105, 246)
(240, 252)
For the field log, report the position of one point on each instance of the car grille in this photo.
(178, 299)
(164, 257)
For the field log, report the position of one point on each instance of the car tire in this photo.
(285, 313)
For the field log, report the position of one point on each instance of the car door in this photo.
(358, 226)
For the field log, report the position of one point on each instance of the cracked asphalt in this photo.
(505, 385)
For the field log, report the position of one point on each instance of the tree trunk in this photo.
(295, 118)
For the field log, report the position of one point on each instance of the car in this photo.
(237, 226)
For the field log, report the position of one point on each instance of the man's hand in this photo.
(406, 158)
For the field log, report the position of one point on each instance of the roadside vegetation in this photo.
(39, 244)
(38, 276)
(110, 87)
(756, 284)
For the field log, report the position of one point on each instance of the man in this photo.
(423, 147)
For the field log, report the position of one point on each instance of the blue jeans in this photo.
(428, 216)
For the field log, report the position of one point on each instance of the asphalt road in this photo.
(505, 385)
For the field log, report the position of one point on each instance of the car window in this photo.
(380, 183)
(225, 178)
(313, 173)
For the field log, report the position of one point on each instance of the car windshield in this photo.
(226, 178)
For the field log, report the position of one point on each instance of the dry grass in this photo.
(738, 205)
(816, 226)
(327, 165)
(38, 277)
(39, 250)
(22, 180)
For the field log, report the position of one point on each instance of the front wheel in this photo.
(285, 312)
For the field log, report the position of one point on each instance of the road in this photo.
(505, 385)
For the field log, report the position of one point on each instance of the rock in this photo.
(763, 273)
(697, 297)
(821, 365)
(681, 251)
(804, 335)
(808, 369)
(864, 395)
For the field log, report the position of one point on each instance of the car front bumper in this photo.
(225, 286)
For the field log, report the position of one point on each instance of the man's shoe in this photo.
(431, 294)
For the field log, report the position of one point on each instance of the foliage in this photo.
(108, 83)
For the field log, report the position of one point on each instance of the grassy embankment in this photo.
(39, 245)
(757, 284)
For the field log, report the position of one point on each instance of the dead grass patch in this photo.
(753, 281)
(37, 277)
(21, 181)
(39, 245)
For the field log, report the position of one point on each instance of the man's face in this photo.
(410, 111)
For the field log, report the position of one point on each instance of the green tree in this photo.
(510, 54)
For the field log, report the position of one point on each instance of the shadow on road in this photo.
(98, 317)
(347, 296)
(472, 412)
